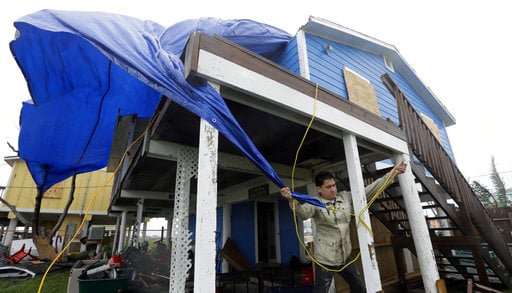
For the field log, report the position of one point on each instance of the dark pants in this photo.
(350, 274)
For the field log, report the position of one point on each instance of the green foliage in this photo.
(55, 282)
(498, 198)
(499, 185)
(483, 194)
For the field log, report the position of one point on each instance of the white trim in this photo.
(365, 237)
(302, 53)
(236, 76)
(206, 220)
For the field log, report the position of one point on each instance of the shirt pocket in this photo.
(330, 250)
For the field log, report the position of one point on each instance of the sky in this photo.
(459, 49)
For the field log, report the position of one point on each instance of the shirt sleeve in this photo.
(304, 211)
(373, 187)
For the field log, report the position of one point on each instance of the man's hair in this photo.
(321, 177)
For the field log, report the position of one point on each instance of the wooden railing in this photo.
(429, 151)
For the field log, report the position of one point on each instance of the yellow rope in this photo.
(385, 185)
(89, 205)
(304, 136)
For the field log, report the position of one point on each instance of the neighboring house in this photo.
(91, 200)
(369, 109)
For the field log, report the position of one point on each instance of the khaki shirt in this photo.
(332, 244)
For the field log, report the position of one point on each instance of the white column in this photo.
(168, 233)
(366, 244)
(144, 229)
(85, 233)
(138, 222)
(9, 235)
(419, 229)
(206, 210)
(117, 234)
(122, 231)
(226, 231)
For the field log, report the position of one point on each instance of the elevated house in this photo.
(369, 107)
(329, 98)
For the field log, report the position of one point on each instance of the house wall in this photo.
(289, 242)
(22, 191)
(326, 69)
(243, 230)
(289, 56)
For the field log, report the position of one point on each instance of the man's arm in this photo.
(372, 188)
(304, 211)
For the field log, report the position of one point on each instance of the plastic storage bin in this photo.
(103, 285)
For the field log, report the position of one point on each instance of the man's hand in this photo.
(286, 193)
(401, 168)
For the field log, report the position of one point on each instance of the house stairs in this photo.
(467, 243)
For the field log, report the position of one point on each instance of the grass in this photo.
(55, 282)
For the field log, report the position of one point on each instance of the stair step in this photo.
(443, 228)
(388, 199)
(399, 220)
(430, 206)
(386, 211)
(438, 218)
(454, 257)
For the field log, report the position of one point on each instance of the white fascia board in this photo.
(228, 73)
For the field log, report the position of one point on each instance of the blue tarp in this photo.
(83, 69)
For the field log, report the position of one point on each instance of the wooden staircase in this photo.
(467, 243)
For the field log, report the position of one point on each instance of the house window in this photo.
(360, 91)
(388, 63)
(432, 126)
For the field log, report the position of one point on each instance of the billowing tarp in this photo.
(83, 69)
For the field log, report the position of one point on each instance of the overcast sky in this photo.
(459, 49)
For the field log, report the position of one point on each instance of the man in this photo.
(332, 246)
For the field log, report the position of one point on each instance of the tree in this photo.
(499, 185)
(498, 198)
(483, 194)
(43, 242)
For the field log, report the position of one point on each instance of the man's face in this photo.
(328, 189)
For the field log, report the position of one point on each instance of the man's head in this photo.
(326, 185)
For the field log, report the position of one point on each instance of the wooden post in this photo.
(206, 209)
(366, 244)
(419, 228)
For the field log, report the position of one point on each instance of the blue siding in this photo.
(243, 233)
(192, 219)
(326, 69)
(289, 243)
(288, 57)
(242, 229)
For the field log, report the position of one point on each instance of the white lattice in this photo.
(180, 235)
